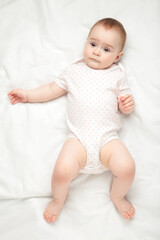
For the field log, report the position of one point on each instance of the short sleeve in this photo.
(123, 87)
(61, 80)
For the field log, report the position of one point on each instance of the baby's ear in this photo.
(118, 57)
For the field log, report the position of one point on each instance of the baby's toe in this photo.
(49, 218)
(46, 216)
(45, 213)
(53, 218)
(126, 215)
(131, 211)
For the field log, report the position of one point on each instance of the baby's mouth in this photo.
(93, 59)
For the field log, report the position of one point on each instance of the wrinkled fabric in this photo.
(38, 40)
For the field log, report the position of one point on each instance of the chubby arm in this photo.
(126, 104)
(43, 93)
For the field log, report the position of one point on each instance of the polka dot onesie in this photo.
(92, 112)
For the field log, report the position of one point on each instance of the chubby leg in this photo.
(71, 159)
(115, 156)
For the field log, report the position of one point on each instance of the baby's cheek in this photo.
(86, 51)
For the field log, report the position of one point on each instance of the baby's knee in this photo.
(127, 171)
(62, 174)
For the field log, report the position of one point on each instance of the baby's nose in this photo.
(96, 52)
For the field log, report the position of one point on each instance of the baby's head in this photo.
(104, 44)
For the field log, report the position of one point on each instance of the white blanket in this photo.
(38, 39)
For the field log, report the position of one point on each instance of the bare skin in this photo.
(72, 157)
(115, 156)
(74, 153)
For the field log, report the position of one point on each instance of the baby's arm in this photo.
(41, 94)
(126, 104)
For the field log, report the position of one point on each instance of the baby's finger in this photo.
(14, 101)
(123, 98)
(128, 105)
(12, 96)
(10, 93)
(13, 92)
(128, 100)
(129, 109)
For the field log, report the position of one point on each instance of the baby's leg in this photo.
(71, 159)
(115, 156)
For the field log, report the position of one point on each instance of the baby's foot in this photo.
(51, 212)
(125, 208)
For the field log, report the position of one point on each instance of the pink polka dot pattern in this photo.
(92, 115)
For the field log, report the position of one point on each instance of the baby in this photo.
(97, 91)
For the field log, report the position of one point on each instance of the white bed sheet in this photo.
(38, 39)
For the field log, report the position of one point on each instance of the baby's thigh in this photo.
(116, 157)
(72, 158)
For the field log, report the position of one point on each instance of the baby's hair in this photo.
(109, 23)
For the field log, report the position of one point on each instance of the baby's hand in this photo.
(126, 104)
(18, 95)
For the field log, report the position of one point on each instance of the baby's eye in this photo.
(93, 44)
(106, 50)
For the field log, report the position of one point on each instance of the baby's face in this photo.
(103, 47)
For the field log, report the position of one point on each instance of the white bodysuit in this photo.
(92, 112)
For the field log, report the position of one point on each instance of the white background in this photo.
(38, 39)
